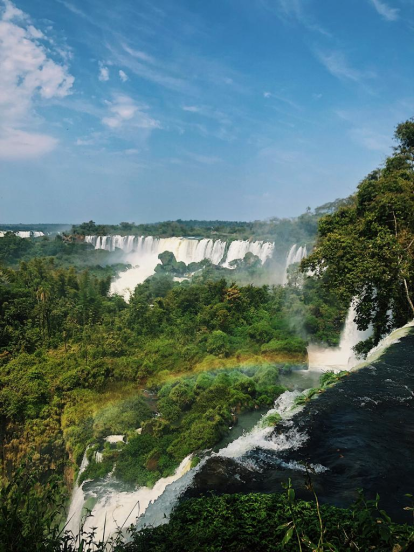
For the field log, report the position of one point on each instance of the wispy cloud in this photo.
(282, 99)
(294, 10)
(204, 159)
(123, 109)
(388, 13)
(209, 112)
(123, 76)
(144, 66)
(72, 8)
(338, 65)
(28, 72)
(103, 72)
(371, 140)
(19, 144)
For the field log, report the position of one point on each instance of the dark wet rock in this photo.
(361, 431)
(222, 475)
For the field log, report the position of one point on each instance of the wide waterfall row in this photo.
(185, 249)
(23, 234)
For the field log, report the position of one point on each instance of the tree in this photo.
(365, 250)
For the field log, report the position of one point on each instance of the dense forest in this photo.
(174, 367)
(302, 229)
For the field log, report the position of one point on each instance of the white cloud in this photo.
(390, 14)
(11, 12)
(19, 144)
(338, 65)
(146, 67)
(267, 94)
(209, 112)
(27, 74)
(123, 76)
(85, 142)
(103, 72)
(124, 109)
(192, 108)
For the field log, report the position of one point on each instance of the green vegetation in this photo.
(66, 252)
(173, 368)
(238, 523)
(328, 379)
(301, 230)
(194, 413)
(72, 357)
(366, 249)
(273, 523)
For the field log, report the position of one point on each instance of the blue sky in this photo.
(147, 110)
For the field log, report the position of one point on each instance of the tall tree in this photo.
(365, 250)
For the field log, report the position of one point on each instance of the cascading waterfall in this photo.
(259, 437)
(296, 255)
(342, 357)
(112, 506)
(187, 250)
(238, 249)
(75, 513)
(142, 253)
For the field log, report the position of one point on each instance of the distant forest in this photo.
(301, 229)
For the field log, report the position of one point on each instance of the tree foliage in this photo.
(365, 250)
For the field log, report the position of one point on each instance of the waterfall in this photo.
(74, 518)
(238, 249)
(187, 250)
(259, 436)
(142, 253)
(296, 255)
(114, 507)
(24, 234)
(342, 357)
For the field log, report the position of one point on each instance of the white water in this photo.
(238, 249)
(261, 437)
(394, 337)
(142, 253)
(77, 501)
(115, 509)
(342, 357)
(23, 234)
(296, 255)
